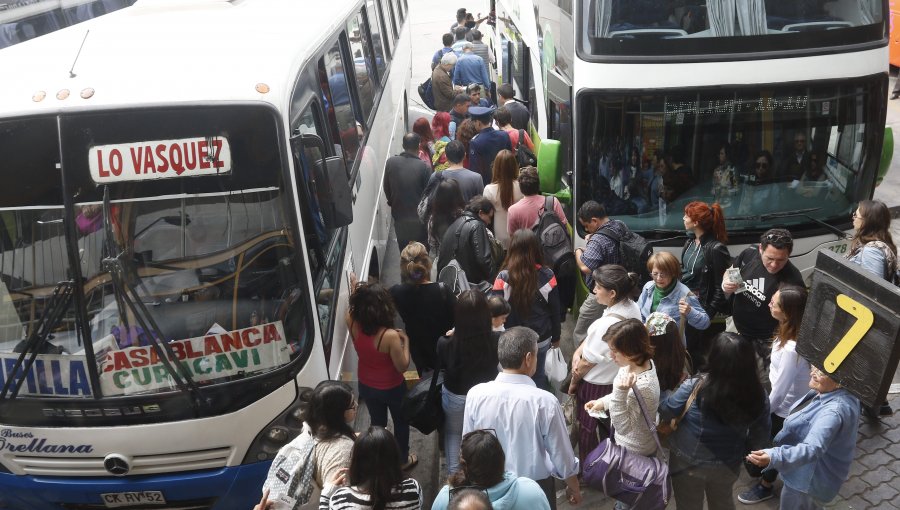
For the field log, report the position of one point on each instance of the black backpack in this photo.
(427, 93)
(634, 252)
(554, 238)
(524, 155)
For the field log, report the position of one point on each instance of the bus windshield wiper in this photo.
(53, 312)
(128, 300)
(803, 214)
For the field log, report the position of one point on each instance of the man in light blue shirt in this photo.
(528, 421)
(470, 69)
(815, 446)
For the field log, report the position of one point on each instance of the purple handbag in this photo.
(636, 480)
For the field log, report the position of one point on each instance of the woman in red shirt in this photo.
(383, 354)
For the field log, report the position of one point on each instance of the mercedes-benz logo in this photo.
(117, 464)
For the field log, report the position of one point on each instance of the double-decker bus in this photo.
(187, 185)
(773, 108)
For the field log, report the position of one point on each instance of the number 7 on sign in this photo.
(864, 320)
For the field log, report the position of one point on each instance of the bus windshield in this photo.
(189, 272)
(774, 156)
(612, 28)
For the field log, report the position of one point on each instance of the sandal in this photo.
(411, 461)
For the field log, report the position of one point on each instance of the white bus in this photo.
(182, 203)
(797, 84)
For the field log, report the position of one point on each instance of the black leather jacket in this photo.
(466, 240)
(717, 260)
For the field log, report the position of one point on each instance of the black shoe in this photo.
(895, 95)
(885, 410)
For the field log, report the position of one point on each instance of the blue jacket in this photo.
(470, 69)
(697, 317)
(511, 494)
(817, 443)
(484, 148)
(702, 439)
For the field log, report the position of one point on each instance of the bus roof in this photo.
(170, 51)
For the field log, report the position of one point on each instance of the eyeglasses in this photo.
(657, 276)
(778, 238)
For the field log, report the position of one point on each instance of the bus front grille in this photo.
(140, 464)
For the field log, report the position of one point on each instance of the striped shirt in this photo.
(406, 496)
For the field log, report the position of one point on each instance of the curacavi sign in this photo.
(159, 159)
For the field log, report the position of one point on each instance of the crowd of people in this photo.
(742, 395)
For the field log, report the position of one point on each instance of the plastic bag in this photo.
(555, 366)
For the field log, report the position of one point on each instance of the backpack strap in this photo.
(617, 316)
(521, 138)
(548, 204)
(608, 232)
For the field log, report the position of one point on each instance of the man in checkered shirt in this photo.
(600, 250)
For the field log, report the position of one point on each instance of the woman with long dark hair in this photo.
(468, 357)
(593, 369)
(482, 467)
(375, 479)
(704, 259)
(326, 413)
(503, 191)
(530, 288)
(448, 204)
(730, 413)
(383, 354)
(873, 248)
(426, 307)
(788, 374)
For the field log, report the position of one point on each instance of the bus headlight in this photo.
(285, 427)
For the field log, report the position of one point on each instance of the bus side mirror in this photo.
(336, 197)
(549, 163)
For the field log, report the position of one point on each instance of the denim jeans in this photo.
(378, 402)
(797, 500)
(454, 409)
(539, 377)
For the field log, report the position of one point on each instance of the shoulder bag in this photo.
(636, 480)
(421, 406)
(665, 429)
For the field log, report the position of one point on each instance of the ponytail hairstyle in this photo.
(415, 265)
(481, 461)
(792, 302)
(710, 218)
(616, 278)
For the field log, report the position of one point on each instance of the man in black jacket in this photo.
(405, 177)
(468, 241)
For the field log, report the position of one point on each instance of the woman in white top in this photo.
(788, 373)
(593, 369)
(629, 344)
(503, 191)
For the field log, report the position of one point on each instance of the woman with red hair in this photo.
(440, 127)
(704, 259)
(422, 128)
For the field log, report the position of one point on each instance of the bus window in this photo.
(665, 28)
(379, 46)
(768, 156)
(360, 52)
(346, 131)
(388, 10)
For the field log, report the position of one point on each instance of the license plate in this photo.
(120, 499)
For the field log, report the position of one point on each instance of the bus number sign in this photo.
(159, 159)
